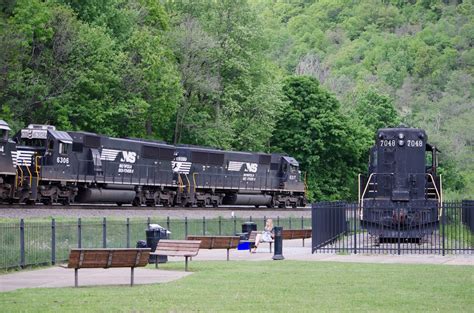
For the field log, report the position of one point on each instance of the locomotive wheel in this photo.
(119, 203)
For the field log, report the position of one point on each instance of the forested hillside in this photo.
(314, 79)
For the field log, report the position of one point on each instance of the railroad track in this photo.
(144, 208)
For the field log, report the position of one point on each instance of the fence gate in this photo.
(341, 227)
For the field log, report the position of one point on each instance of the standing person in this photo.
(265, 236)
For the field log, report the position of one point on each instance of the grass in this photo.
(285, 286)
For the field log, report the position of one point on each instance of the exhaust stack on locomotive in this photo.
(401, 196)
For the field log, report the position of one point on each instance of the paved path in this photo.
(292, 250)
(63, 277)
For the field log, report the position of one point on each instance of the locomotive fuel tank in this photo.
(247, 199)
(91, 195)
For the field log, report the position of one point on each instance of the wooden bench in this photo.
(251, 240)
(217, 242)
(185, 248)
(106, 258)
(296, 234)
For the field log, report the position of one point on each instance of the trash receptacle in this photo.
(153, 234)
(248, 226)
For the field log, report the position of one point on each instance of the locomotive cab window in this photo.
(50, 145)
(40, 143)
(63, 147)
(4, 134)
(293, 169)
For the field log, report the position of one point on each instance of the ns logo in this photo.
(128, 156)
(251, 167)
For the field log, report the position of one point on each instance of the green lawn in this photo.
(271, 286)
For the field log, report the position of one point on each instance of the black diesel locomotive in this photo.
(45, 165)
(401, 196)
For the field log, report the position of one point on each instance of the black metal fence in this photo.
(43, 242)
(340, 227)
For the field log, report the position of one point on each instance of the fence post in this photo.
(104, 233)
(22, 243)
(289, 222)
(355, 228)
(203, 225)
(148, 222)
(79, 233)
(399, 239)
(443, 224)
(302, 222)
(235, 224)
(220, 226)
(278, 220)
(128, 232)
(185, 227)
(53, 241)
(168, 223)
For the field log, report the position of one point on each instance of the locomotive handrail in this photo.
(16, 177)
(31, 175)
(21, 177)
(194, 182)
(37, 169)
(437, 192)
(361, 198)
(361, 202)
(189, 183)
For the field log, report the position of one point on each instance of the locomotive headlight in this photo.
(401, 143)
(401, 136)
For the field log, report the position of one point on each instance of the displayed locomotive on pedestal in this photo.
(42, 164)
(401, 196)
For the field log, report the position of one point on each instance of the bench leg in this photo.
(270, 247)
(156, 262)
(131, 277)
(228, 254)
(186, 264)
(76, 283)
(303, 242)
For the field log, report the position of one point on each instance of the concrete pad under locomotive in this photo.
(401, 196)
(50, 166)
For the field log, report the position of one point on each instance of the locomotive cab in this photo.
(290, 173)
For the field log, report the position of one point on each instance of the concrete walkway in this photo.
(64, 277)
(292, 250)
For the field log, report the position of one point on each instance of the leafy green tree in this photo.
(375, 110)
(331, 147)
(236, 108)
